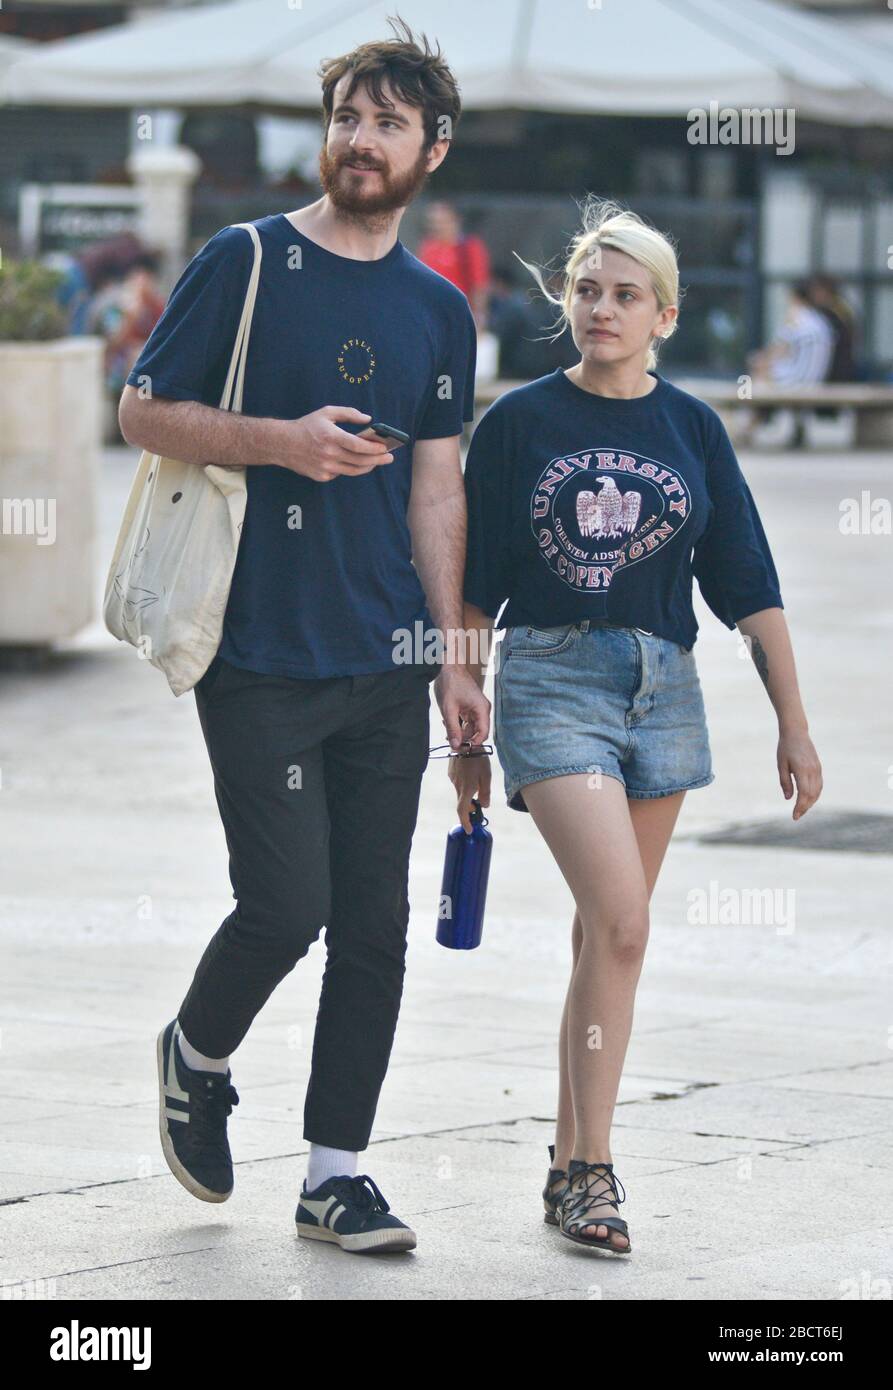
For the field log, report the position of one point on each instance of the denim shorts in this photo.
(591, 697)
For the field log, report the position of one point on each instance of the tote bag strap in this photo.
(231, 398)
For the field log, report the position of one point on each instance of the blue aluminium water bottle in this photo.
(463, 892)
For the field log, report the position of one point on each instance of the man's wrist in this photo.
(461, 668)
(270, 441)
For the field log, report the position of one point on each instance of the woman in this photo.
(594, 494)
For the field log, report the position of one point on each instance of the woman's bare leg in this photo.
(606, 989)
(654, 820)
(564, 1124)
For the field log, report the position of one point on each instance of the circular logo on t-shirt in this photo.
(599, 510)
(356, 360)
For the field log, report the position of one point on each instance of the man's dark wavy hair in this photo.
(417, 74)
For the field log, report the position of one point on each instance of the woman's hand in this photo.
(471, 778)
(769, 643)
(799, 762)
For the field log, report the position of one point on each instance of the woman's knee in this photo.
(623, 933)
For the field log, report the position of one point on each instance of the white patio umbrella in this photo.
(653, 57)
(13, 50)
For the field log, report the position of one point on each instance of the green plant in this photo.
(29, 306)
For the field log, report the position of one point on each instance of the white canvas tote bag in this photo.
(170, 575)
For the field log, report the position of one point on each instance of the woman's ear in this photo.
(669, 324)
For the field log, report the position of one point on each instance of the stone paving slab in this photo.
(753, 1130)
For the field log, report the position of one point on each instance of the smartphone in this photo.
(389, 433)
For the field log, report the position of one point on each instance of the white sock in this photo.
(329, 1163)
(197, 1060)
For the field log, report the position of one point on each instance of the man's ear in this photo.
(437, 154)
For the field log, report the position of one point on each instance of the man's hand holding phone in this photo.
(391, 436)
(316, 447)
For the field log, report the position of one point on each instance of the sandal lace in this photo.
(577, 1204)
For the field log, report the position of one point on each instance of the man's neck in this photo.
(356, 237)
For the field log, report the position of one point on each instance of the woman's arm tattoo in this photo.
(760, 660)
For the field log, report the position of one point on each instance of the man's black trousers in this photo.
(318, 783)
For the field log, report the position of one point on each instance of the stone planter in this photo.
(51, 401)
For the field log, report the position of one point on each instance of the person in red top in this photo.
(130, 318)
(461, 259)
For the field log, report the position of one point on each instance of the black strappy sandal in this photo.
(580, 1209)
(552, 1199)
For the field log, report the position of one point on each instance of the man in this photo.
(826, 298)
(528, 345)
(317, 737)
(460, 258)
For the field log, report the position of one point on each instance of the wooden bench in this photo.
(872, 402)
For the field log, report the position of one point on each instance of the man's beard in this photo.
(345, 192)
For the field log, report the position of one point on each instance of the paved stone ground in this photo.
(753, 1132)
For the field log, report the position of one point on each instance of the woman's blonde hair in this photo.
(606, 223)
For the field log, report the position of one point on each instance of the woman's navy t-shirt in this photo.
(586, 506)
(324, 577)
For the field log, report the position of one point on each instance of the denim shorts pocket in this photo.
(542, 641)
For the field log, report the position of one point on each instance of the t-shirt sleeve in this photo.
(487, 581)
(732, 560)
(188, 353)
(451, 402)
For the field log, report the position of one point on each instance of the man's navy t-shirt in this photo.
(324, 575)
(587, 506)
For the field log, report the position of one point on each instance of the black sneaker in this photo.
(193, 1106)
(356, 1217)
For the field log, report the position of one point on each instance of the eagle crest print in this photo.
(597, 511)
